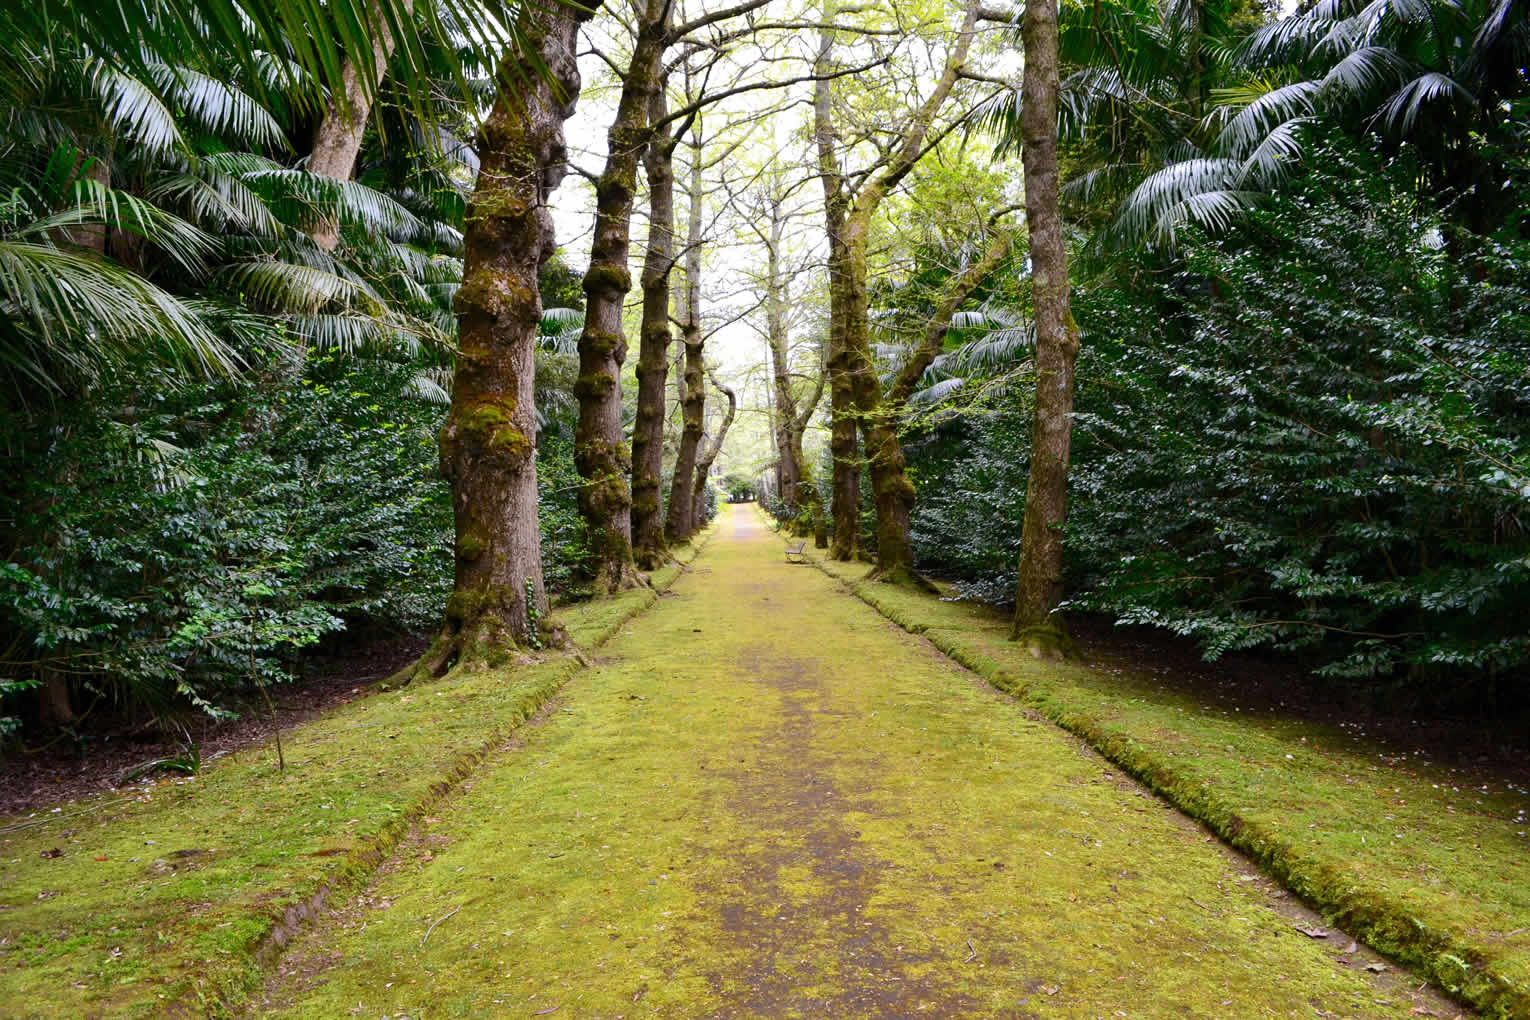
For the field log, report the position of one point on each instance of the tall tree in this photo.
(681, 521)
(601, 453)
(708, 456)
(1039, 588)
(337, 136)
(854, 387)
(653, 351)
(790, 410)
(488, 445)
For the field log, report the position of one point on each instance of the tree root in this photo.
(485, 644)
(904, 577)
(1049, 642)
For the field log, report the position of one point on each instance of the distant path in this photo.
(764, 800)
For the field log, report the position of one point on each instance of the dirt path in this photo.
(764, 800)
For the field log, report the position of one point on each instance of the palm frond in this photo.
(937, 392)
(1274, 156)
(1261, 112)
(1212, 210)
(1155, 201)
(72, 316)
(1366, 71)
(1401, 111)
(218, 108)
(132, 108)
(286, 287)
(96, 204)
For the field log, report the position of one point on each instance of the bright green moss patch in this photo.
(165, 892)
(764, 801)
(1396, 849)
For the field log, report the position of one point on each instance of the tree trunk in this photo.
(648, 545)
(889, 475)
(1039, 588)
(845, 499)
(337, 138)
(682, 523)
(854, 388)
(55, 710)
(488, 445)
(601, 453)
(783, 402)
(704, 462)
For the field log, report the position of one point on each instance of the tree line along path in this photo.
(765, 800)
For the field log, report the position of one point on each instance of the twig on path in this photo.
(438, 921)
(974, 953)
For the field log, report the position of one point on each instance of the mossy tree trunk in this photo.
(894, 491)
(601, 453)
(708, 456)
(681, 523)
(790, 415)
(337, 137)
(648, 545)
(845, 495)
(855, 389)
(488, 445)
(1039, 588)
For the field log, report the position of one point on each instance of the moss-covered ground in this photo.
(167, 896)
(765, 800)
(1429, 869)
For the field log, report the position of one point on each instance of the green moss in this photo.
(607, 279)
(511, 441)
(1395, 849)
(470, 547)
(486, 416)
(731, 814)
(121, 926)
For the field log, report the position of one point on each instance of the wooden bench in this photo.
(796, 550)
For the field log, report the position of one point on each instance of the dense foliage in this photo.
(185, 546)
(1310, 433)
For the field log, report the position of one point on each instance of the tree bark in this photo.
(894, 492)
(681, 523)
(648, 544)
(488, 445)
(855, 390)
(1039, 588)
(705, 461)
(790, 416)
(337, 138)
(601, 453)
(845, 497)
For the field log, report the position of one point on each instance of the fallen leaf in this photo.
(1375, 968)
(1049, 989)
(1311, 932)
(544, 1012)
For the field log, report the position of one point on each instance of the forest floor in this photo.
(760, 798)
(765, 800)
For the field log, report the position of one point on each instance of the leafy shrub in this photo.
(187, 542)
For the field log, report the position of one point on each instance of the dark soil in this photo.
(1493, 746)
(42, 776)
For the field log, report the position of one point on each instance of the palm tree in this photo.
(1436, 74)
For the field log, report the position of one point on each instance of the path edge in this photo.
(226, 992)
(1441, 957)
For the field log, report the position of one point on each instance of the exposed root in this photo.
(1048, 641)
(904, 577)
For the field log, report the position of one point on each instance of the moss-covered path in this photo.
(765, 800)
